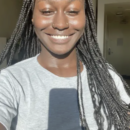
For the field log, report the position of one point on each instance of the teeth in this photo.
(60, 37)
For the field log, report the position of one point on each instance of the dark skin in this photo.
(2, 127)
(58, 58)
(68, 16)
(69, 19)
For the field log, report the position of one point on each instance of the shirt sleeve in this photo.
(120, 87)
(7, 100)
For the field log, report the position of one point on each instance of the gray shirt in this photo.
(32, 98)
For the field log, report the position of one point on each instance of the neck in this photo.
(47, 59)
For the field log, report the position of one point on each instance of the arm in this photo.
(2, 127)
(120, 87)
(8, 104)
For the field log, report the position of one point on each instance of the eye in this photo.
(47, 12)
(72, 13)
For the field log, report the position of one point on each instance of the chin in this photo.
(61, 53)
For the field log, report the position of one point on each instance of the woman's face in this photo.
(59, 23)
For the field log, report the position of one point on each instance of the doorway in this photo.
(117, 37)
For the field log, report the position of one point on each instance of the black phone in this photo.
(63, 110)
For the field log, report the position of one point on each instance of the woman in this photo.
(67, 85)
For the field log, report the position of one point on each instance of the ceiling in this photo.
(118, 9)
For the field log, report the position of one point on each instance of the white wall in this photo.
(9, 11)
(101, 17)
(120, 56)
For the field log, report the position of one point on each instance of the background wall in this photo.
(118, 41)
(94, 5)
(9, 11)
(101, 17)
(2, 44)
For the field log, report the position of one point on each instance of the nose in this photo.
(60, 21)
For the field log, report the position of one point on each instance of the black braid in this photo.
(80, 96)
(23, 34)
(102, 87)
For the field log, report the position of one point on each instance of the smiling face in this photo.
(59, 24)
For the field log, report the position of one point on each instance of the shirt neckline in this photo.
(56, 76)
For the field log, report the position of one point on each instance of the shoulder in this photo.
(21, 68)
(119, 85)
(25, 64)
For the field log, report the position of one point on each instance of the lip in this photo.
(60, 41)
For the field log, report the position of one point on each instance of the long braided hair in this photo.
(102, 87)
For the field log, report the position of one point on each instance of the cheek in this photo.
(78, 23)
(40, 22)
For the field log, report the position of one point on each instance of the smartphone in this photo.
(63, 110)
